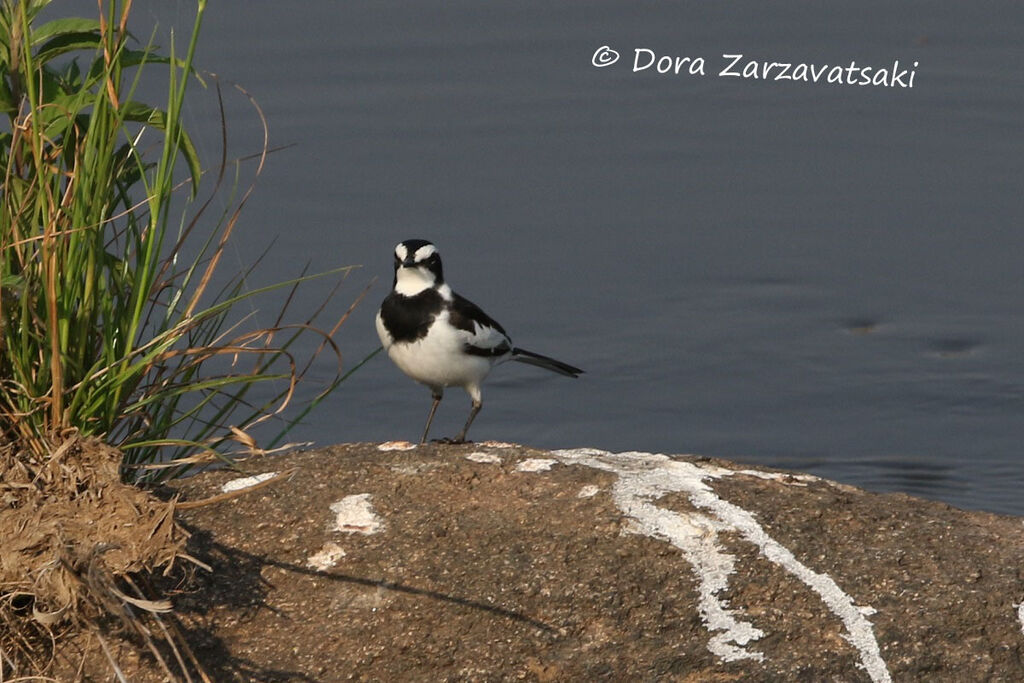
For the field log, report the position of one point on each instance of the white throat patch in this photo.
(412, 281)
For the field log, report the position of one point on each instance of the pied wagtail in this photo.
(440, 339)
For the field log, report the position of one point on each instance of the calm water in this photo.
(811, 276)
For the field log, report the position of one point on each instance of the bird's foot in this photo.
(450, 441)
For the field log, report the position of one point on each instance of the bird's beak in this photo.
(409, 263)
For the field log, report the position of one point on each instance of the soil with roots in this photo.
(76, 549)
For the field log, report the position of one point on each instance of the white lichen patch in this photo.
(588, 491)
(355, 515)
(396, 446)
(536, 465)
(1020, 615)
(643, 478)
(246, 482)
(497, 444)
(326, 558)
(486, 458)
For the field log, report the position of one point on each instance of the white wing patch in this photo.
(484, 336)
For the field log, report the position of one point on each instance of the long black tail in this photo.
(531, 358)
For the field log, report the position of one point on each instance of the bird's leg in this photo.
(461, 438)
(430, 418)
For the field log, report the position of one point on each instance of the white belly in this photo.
(438, 359)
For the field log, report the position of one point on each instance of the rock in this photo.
(491, 562)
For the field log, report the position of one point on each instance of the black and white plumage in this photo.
(441, 339)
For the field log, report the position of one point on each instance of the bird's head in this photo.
(417, 267)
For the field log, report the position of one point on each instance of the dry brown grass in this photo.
(77, 544)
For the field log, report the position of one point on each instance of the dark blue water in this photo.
(812, 276)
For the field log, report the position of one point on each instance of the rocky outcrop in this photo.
(493, 561)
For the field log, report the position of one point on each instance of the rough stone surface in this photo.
(460, 563)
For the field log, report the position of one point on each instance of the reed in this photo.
(111, 323)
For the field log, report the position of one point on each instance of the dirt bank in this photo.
(494, 562)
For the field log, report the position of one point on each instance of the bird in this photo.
(441, 339)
